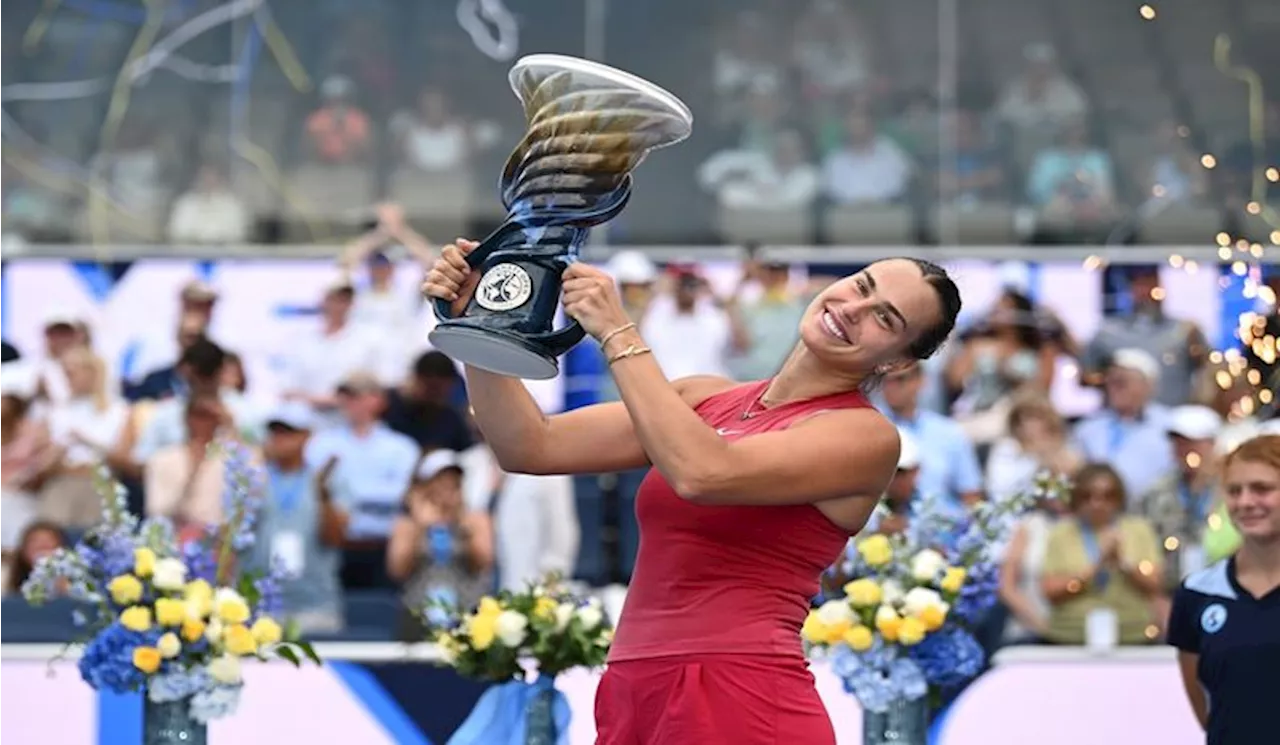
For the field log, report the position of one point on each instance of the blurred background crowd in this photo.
(380, 134)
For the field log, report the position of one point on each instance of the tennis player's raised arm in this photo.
(594, 439)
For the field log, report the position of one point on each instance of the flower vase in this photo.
(540, 720)
(171, 723)
(903, 723)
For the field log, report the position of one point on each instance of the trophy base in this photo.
(495, 351)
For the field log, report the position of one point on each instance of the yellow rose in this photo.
(544, 609)
(912, 631)
(814, 630)
(953, 580)
(488, 607)
(481, 630)
(170, 611)
(146, 659)
(169, 646)
(144, 561)
(876, 550)
(863, 593)
(192, 630)
(197, 588)
(859, 638)
(230, 607)
(267, 631)
(239, 640)
(888, 622)
(835, 631)
(136, 618)
(932, 617)
(125, 589)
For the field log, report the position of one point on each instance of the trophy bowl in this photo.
(588, 126)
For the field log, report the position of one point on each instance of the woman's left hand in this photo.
(591, 298)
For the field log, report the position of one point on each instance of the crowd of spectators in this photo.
(379, 482)
(800, 109)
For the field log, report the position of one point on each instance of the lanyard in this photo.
(287, 490)
(1094, 552)
(1116, 437)
(1195, 505)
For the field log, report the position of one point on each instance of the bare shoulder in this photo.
(698, 388)
(867, 426)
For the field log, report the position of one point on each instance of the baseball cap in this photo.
(196, 291)
(61, 317)
(631, 268)
(436, 462)
(1138, 361)
(1193, 422)
(909, 454)
(293, 415)
(361, 381)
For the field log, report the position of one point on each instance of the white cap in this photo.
(292, 414)
(1137, 360)
(437, 461)
(631, 268)
(18, 378)
(61, 316)
(1193, 422)
(909, 454)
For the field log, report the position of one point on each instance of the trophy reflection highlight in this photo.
(589, 126)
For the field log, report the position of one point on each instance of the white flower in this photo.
(511, 628)
(886, 613)
(590, 616)
(927, 565)
(225, 669)
(169, 575)
(835, 613)
(169, 646)
(891, 592)
(919, 598)
(213, 631)
(564, 614)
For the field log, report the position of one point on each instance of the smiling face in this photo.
(872, 318)
(1252, 488)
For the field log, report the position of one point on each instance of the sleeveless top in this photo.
(715, 579)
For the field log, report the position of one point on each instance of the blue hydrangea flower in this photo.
(215, 702)
(906, 678)
(178, 684)
(978, 595)
(107, 662)
(949, 657)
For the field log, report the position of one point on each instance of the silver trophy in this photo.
(589, 126)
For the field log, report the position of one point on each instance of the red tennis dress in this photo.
(708, 647)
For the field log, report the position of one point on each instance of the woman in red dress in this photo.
(754, 490)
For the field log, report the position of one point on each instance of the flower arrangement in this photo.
(903, 627)
(545, 623)
(173, 620)
(545, 629)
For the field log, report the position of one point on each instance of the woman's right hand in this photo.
(451, 278)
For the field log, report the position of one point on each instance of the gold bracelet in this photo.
(625, 327)
(631, 351)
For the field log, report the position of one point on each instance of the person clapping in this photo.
(439, 551)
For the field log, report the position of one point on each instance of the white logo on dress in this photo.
(722, 431)
(1213, 618)
(504, 287)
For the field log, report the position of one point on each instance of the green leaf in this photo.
(309, 651)
(288, 655)
(292, 631)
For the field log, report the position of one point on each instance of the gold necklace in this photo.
(762, 401)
